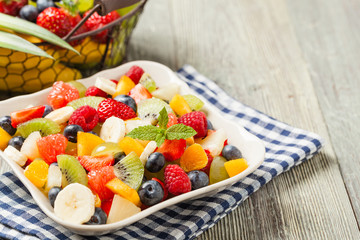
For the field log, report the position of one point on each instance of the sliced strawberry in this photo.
(172, 149)
(51, 146)
(110, 107)
(139, 92)
(135, 73)
(26, 114)
(172, 120)
(93, 163)
(97, 180)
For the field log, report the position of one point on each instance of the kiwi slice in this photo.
(148, 82)
(79, 86)
(43, 125)
(148, 109)
(130, 170)
(92, 101)
(194, 102)
(72, 171)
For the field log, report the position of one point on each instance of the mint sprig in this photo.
(159, 134)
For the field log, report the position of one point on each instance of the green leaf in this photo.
(160, 139)
(179, 131)
(23, 26)
(163, 118)
(148, 132)
(14, 42)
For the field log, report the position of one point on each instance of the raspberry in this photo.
(61, 94)
(196, 120)
(110, 107)
(206, 169)
(86, 117)
(135, 73)
(94, 91)
(176, 180)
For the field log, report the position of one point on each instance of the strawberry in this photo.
(61, 94)
(172, 149)
(74, 20)
(97, 180)
(172, 120)
(139, 92)
(94, 91)
(176, 180)
(96, 21)
(135, 73)
(110, 107)
(93, 163)
(12, 7)
(106, 205)
(55, 20)
(26, 114)
(51, 146)
(196, 120)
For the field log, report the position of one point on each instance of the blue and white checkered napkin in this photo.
(286, 147)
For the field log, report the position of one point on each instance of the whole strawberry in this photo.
(12, 7)
(176, 180)
(196, 120)
(110, 107)
(94, 91)
(55, 20)
(96, 21)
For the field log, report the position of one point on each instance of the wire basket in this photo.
(25, 73)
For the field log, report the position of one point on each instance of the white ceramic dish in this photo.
(251, 147)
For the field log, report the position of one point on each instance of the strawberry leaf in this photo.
(163, 118)
(179, 131)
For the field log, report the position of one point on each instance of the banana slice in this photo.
(54, 177)
(113, 130)
(75, 204)
(149, 149)
(15, 155)
(29, 147)
(106, 85)
(61, 115)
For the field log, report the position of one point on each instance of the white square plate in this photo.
(251, 147)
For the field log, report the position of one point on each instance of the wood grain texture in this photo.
(251, 49)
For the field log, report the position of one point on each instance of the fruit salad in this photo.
(106, 152)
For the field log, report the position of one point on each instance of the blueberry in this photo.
(231, 152)
(70, 132)
(29, 13)
(151, 193)
(209, 125)
(53, 192)
(127, 100)
(5, 123)
(118, 156)
(48, 109)
(99, 217)
(198, 179)
(16, 142)
(155, 162)
(43, 4)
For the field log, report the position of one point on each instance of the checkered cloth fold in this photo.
(286, 147)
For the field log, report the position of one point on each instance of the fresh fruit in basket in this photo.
(106, 147)
(12, 7)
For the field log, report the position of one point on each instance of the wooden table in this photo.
(296, 60)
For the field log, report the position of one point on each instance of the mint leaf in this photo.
(160, 138)
(148, 132)
(179, 131)
(163, 118)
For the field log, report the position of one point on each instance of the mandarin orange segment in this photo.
(236, 166)
(179, 105)
(124, 86)
(190, 141)
(4, 138)
(37, 172)
(119, 187)
(129, 145)
(86, 142)
(194, 158)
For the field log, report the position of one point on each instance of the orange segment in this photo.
(124, 86)
(129, 145)
(179, 105)
(86, 142)
(236, 166)
(4, 138)
(190, 141)
(37, 172)
(119, 187)
(194, 158)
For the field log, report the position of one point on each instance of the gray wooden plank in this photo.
(328, 33)
(249, 48)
